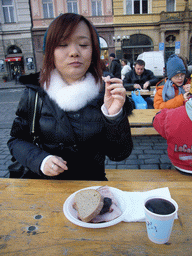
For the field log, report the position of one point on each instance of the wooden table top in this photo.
(147, 92)
(142, 117)
(33, 223)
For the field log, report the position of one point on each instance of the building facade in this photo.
(99, 12)
(126, 27)
(16, 47)
(146, 25)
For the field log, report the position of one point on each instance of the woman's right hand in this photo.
(54, 166)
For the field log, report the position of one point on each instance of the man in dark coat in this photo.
(115, 67)
(140, 78)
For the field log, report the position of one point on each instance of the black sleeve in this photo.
(152, 79)
(127, 81)
(118, 139)
(20, 143)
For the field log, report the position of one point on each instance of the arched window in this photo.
(138, 40)
(135, 45)
(104, 48)
(13, 49)
(103, 43)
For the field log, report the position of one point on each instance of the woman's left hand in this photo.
(115, 95)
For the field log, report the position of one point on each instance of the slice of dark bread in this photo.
(89, 203)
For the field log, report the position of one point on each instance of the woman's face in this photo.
(178, 79)
(73, 56)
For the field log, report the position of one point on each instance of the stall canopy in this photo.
(8, 59)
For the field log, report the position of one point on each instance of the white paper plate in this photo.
(71, 213)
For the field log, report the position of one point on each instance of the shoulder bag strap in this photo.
(35, 104)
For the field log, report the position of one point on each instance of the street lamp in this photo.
(119, 38)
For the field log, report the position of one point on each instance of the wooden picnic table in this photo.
(142, 117)
(142, 92)
(33, 222)
(141, 122)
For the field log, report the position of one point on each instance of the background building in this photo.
(99, 12)
(126, 27)
(16, 48)
(146, 25)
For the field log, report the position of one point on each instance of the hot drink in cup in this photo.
(160, 213)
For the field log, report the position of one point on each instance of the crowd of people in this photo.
(83, 116)
(174, 100)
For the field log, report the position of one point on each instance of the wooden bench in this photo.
(142, 131)
(141, 122)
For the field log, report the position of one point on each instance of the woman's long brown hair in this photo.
(61, 28)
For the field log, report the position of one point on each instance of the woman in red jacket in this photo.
(172, 91)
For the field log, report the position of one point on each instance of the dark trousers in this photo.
(149, 102)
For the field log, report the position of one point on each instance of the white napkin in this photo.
(135, 201)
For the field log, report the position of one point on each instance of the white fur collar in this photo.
(72, 97)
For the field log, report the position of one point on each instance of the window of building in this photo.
(72, 6)
(48, 9)
(136, 6)
(170, 5)
(13, 49)
(8, 11)
(96, 8)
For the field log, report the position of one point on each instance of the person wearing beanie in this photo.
(115, 67)
(175, 125)
(172, 91)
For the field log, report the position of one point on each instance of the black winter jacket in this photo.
(132, 78)
(82, 138)
(115, 68)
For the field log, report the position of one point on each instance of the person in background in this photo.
(172, 91)
(115, 66)
(105, 69)
(125, 68)
(82, 118)
(140, 78)
(175, 125)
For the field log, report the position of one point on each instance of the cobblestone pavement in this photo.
(149, 152)
(5, 157)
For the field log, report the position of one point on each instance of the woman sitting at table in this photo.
(172, 91)
(81, 120)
